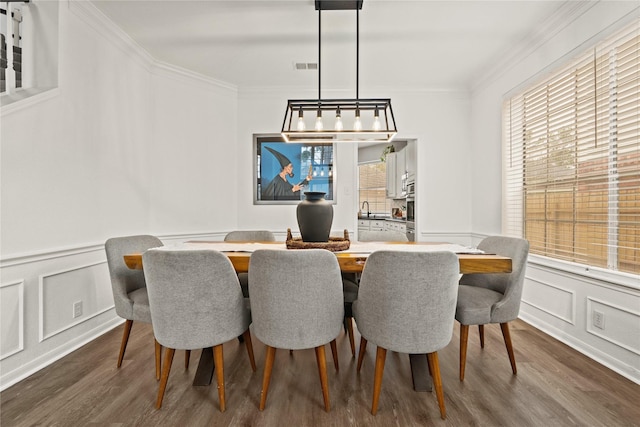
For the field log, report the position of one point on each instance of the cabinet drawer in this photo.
(377, 224)
(395, 226)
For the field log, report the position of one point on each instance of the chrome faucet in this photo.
(368, 211)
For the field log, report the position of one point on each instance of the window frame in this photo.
(519, 147)
(385, 201)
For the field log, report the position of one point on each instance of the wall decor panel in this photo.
(612, 323)
(554, 300)
(60, 291)
(11, 318)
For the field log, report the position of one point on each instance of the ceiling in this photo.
(254, 44)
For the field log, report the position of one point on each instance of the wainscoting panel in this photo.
(612, 323)
(11, 318)
(551, 299)
(61, 292)
(600, 318)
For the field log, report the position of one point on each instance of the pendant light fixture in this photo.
(356, 120)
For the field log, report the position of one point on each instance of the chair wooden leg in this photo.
(334, 354)
(266, 378)
(187, 357)
(507, 343)
(219, 362)
(481, 332)
(363, 349)
(381, 356)
(322, 370)
(168, 359)
(464, 336)
(352, 341)
(246, 336)
(434, 367)
(158, 358)
(125, 339)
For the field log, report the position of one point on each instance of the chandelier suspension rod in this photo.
(357, 54)
(383, 128)
(319, 51)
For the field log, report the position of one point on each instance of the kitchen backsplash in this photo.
(398, 206)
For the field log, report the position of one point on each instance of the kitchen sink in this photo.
(375, 217)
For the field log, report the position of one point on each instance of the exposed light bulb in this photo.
(339, 125)
(330, 172)
(321, 172)
(319, 125)
(315, 172)
(376, 121)
(301, 126)
(357, 125)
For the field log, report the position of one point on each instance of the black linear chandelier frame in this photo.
(383, 127)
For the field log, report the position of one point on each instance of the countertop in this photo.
(382, 218)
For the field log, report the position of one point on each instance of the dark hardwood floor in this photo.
(555, 386)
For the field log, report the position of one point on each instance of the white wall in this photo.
(70, 162)
(128, 145)
(192, 154)
(43, 19)
(124, 145)
(558, 297)
(439, 122)
(261, 111)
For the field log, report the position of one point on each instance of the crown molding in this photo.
(104, 26)
(97, 20)
(165, 69)
(312, 92)
(566, 14)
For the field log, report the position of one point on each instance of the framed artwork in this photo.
(284, 171)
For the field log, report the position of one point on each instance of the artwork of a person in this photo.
(280, 188)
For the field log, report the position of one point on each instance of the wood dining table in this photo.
(352, 260)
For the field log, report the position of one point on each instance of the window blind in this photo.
(372, 187)
(572, 158)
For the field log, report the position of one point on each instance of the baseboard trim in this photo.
(8, 379)
(615, 365)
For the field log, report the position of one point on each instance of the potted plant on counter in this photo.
(388, 149)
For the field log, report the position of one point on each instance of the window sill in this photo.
(24, 98)
(627, 280)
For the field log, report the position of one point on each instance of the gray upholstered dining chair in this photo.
(382, 236)
(492, 298)
(248, 236)
(350, 281)
(406, 304)
(195, 302)
(129, 287)
(296, 303)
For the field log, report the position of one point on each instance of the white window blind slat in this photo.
(572, 159)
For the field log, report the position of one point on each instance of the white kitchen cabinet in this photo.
(391, 187)
(395, 226)
(376, 225)
(400, 171)
(371, 225)
(411, 160)
(395, 169)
